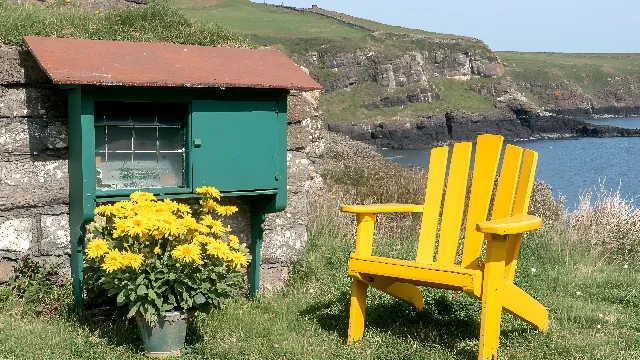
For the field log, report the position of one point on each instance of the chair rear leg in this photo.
(521, 305)
(357, 310)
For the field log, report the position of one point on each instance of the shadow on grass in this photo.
(443, 322)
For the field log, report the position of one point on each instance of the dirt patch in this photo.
(608, 69)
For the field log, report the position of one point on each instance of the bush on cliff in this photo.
(158, 22)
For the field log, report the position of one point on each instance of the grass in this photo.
(346, 105)
(587, 71)
(158, 22)
(376, 26)
(308, 320)
(592, 303)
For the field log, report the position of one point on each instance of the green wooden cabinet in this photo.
(170, 141)
(236, 145)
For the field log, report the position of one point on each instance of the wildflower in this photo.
(218, 248)
(578, 293)
(625, 266)
(237, 259)
(208, 191)
(113, 261)
(187, 253)
(133, 260)
(156, 250)
(533, 270)
(234, 241)
(96, 248)
(600, 316)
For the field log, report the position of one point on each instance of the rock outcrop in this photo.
(432, 131)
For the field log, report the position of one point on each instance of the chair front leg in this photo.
(493, 283)
(357, 310)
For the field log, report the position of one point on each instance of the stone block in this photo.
(55, 238)
(27, 183)
(302, 106)
(32, 102)
(18, 66)
(6, 271)
(16, 236)
(273, 277)
(32, 136)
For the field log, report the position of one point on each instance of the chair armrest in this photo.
(381, 208)
(511, 225)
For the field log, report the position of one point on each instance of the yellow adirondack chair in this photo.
(490, 281)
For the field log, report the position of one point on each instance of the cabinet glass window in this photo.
(139, 145)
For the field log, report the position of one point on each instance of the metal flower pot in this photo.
(166, 336)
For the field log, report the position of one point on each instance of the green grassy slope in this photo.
(589, 72)
(550, 80)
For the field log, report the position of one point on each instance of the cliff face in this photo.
(456, 59)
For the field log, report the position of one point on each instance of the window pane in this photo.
(174, 163)
(127, 145)
(100, 138)
(145, 138)
(170, 139)
(119, 138)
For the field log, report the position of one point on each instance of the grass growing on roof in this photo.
(158, 22)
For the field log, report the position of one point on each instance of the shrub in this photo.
(607, 223)
(39, 287)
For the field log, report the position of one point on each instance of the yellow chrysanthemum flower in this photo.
(133, 260)
(216, 226)
(219, 249)
(233, 241)
(237, 260)
(209, 191)
(156, 250)
(209, 205)
(183, 208)
(104, 210)
(96, 248)
(140, 196)
(113, 261)
(188, 253)
(225, 210)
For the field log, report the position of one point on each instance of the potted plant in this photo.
(164, 262)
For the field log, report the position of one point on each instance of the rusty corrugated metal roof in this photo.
(102, 62)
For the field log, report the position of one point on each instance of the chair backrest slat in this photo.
(433, 201)
(454, 200)
(485, 165)
(506, 192)
(525, 184)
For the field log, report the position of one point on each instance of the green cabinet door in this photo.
(235, 145)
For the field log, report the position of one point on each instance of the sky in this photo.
(509, 25)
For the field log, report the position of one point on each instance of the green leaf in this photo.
(133, 310)
(140, 278)
(199, 299)
(141, 290)
(121, 299)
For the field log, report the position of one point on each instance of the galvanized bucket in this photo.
(166, 336)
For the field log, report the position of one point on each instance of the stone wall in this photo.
(34, 179)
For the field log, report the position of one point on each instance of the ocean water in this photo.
(572, 166)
